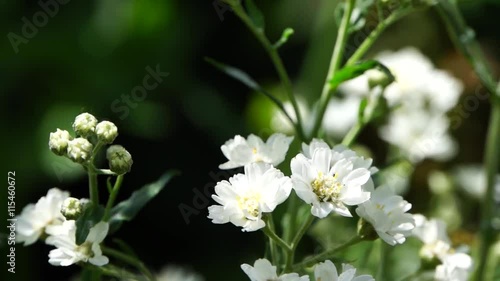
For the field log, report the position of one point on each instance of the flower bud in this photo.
(58, 141)
(106, 132)
(120, 160)
(71, 208)
(84, 124)
(79, 150)
(378, 78)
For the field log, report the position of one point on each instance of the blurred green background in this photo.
(89, 54)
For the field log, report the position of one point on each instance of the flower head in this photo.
(120, 160)
(71, 208)
(455, 267)
(79, 150)
(58, 141)
(106, 132)
(35, 218)
(68, 252)
(330, 179)
(176, 273)
(245, 197)
(386, 212)
(433, 234)
(85, 124)
(263, 270)
(326, 271)
(240, 151)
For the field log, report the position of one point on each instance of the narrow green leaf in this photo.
(128, 209)
(92, 214)
(284, 37)
(255, 14)
(353, 71)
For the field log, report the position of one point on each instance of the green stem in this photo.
(130, 260)
(272, 244)
(275, 59)
(353, 134)
(112, 271)
(272, 235)
(326, 254)
(491, 159)
(112, 197)
(464, 39)
(375, 34)
(93, 190)
(335, 62)
(382, 264)
(296, 240)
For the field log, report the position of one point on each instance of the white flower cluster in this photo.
(44, 219)
(420, 98)
(263, 270)
(453, 265)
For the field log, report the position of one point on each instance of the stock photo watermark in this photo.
(30, 28)
(11, 221)
(139, 93)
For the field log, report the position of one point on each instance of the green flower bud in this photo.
(58, 141)
(120, 160)
(366, 230)
(71, 208)
(84, 124)
(79, 150)
(106, 132)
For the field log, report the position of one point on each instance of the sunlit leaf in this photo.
(353, 71)
(92, 214)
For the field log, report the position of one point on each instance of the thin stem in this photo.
(464, 39)
(93, 190)
(112, 197)
(112, 271)
(382, 264)
(275, 59)
(272, 244)
(335, 62)
(327, 254)
(375, 34)
(296, 240)
(130, 260)
(353, 133)
(272, 235)
(491, 159)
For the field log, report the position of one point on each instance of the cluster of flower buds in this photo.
(91, 134)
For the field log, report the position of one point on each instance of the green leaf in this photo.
(284, 37)
(92, 214)
(128, 209)
(255, 14)
(353, 71)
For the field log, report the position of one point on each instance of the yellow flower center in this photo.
(85, 249)
(327, 188)
(250, 205)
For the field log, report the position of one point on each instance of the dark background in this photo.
(92, 52)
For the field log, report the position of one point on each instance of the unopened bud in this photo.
(58, 141)
(378, 78)
(79, 150)
(120, 160)
(84, 124)
(106, 132)
(71, 208)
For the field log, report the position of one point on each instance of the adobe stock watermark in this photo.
(30, 28)
(150, 82)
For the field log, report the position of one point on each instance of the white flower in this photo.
(68, 252)
(472, 179)
(240, 151)
(419, 135)
(85, 124)
(34, 218)
(330, 179)
(455, 267)
(263, 270)
(386, 212)
(176, 273)
(341, 115)
(106, 131)
(58, 141)
(245, 197)
(326, 271)
(79, 150)
(433, 234)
